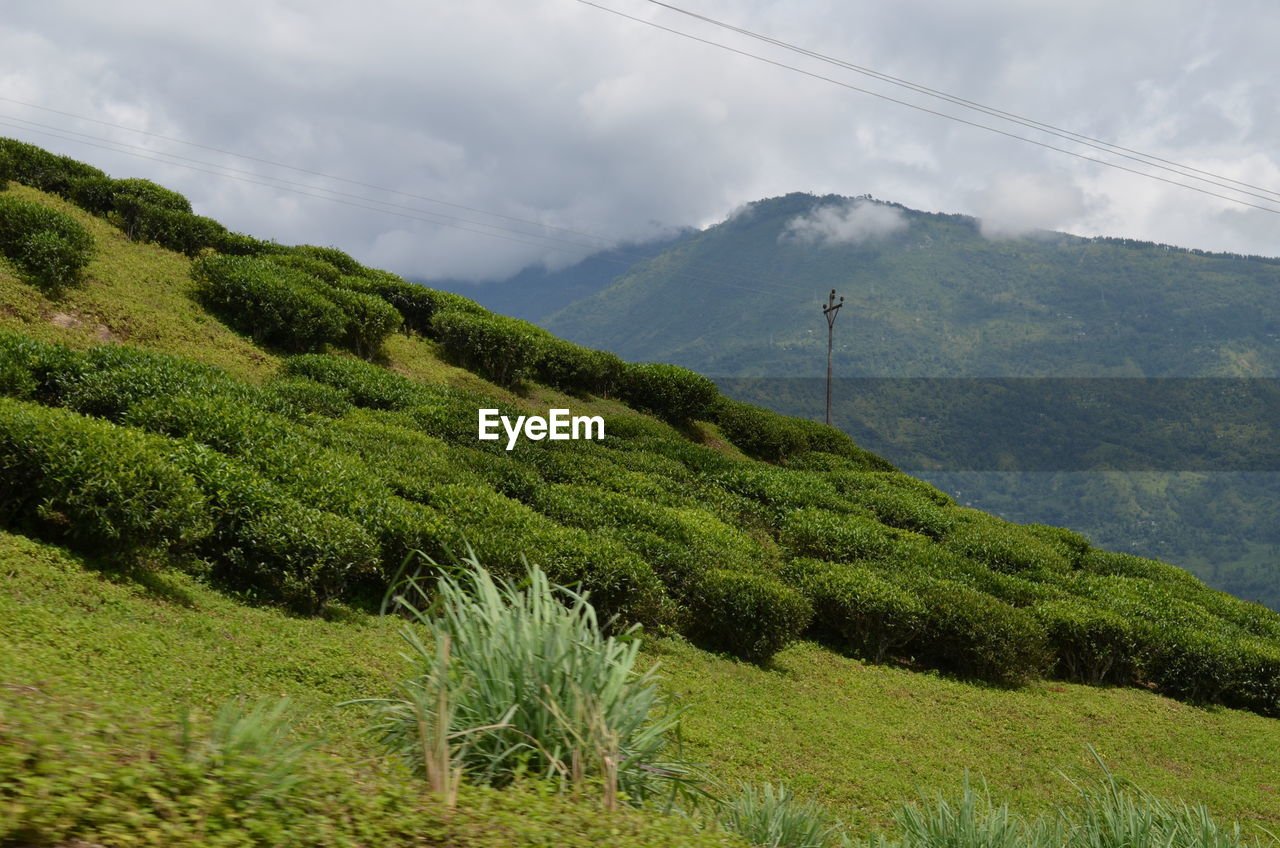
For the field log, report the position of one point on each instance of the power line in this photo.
(1105, 146)
(916, 106)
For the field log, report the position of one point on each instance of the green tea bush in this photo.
(31, 369)
(759, 432)
(330, 255)
(50, 246)
(829, 440)
(506, 475)
(905, 509)
(106, 489)
(409, 461)
(38, 168)
(1005, 547)
(6, 169)
(1071, 545)
(672, 393)
(578, 370)
(974, 635)
(780, 491)
(174, 229)
(369, 320)
(232, 428)
(852, 482)
(311, 265)
(269, 546)
(1100, 562)
(296, 397)
(276, 306)
(824, 535)
(151, 193)
(1092, 645)
(752, 616)
(364, 383)
(504, 350)
(108, 380)
(507, 535)
(857, 610)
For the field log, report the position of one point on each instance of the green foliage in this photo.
(6, 169)
(369, 320)
(504, 350)
(576, 369)
(269, 546)
(672, 393)
(31, 369)
(363, 383)
(522, 680)
(172, 228)
(759, 432)
(972, 634)
(1093, 645)
(276, 306)
(101, 195)
(295, 397)
(103, 488)
(49, 245)
(248, 751)
(856, 609)
(752, 616)
(830, 536)
(1003, 546)
(38, 168)
(773, 816)
(110, 379)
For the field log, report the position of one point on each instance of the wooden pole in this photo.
(829, 310)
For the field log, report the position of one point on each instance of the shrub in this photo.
(522, 680)
(104, 488)
(752, 616)
(780, 490)
(905, 509)
(1093, 645)
(312, 265)
(758, 432)
(49, 245)
(38, 168)
(232, 428)
(276, 306)
(830, 440)
(170, 228)
(153, 194)
(504, 350)
(280, 550)
(774, 817)
(364, 383)
(110, 379)
(31, 369)
(673, 393)
(295, 397)
(369, 320)
(6, 169)
(857, 610)
(1005, 547)
(329, 255)
(974, 635)
(578, 370)
(1101, 562)
(831, 536)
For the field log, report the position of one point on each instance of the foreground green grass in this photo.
(866, 738)
(135, 650)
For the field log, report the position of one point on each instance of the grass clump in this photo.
(773, 816)
(513, 680)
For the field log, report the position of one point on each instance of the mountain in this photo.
(536, 293)
(931, 296)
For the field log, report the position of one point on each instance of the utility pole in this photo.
(829, 311)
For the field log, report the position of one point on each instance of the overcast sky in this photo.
(552, 111)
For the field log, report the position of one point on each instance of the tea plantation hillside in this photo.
(187, 410)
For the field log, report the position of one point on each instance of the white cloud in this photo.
(551, 111)
(1014, 204)
(849, 222)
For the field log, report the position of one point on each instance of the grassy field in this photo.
(139, 648)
